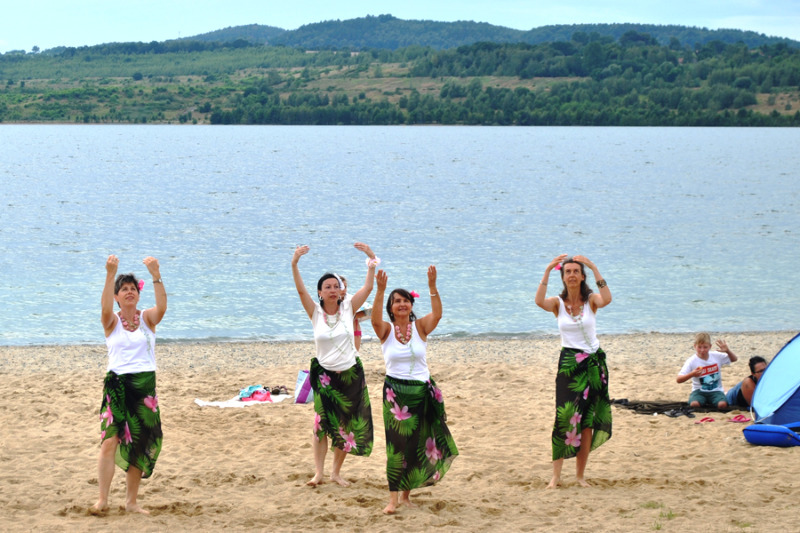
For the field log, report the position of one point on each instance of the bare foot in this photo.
(340, 480)
(98, 509)
(316, 480)
(555, 482)
(390, 509)
(133, 508)
(583, 483)
(408, 503)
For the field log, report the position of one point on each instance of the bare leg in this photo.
(722, 405)
(405, 499)
(105, 473)
(556, 481)
(694, 404)
(583, 456)
(339, 456)
(133, 479)
(392, 507)
(320, 448)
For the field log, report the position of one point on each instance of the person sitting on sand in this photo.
(341, 399)
(129, 414)
(419, 447)
(703, 368)
(741, 394)
(583, 408)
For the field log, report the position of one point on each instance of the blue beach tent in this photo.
(777, 397)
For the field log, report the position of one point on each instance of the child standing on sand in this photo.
(703, 369)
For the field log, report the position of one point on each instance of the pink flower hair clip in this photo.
(558, 266)
(415, 294)
(141, 285)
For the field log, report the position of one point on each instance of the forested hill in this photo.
(391, 33)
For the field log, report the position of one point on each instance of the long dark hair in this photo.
(329, 275)
(405, 294)
(585, 290)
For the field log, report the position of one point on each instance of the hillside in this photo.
(589, 79)
(391, 33)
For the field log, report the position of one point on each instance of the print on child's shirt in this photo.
(710, 379)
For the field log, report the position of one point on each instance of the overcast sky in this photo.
(49, 23)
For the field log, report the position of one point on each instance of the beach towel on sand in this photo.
(236, 402)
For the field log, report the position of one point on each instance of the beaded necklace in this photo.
(127, 325)
(404, 339)
(337, 316)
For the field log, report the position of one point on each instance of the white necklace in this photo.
(336, 317)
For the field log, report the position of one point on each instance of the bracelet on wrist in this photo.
(357, 333)
(543, 283)
(373, 261)
(601, 283)
(159, 280)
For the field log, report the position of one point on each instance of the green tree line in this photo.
(589, 80)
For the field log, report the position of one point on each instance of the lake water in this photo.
(694, 228)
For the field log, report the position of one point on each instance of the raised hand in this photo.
(381, 278)
(584, 261)
(112, 264)
(432, 277)
(365, 248)
(556, 261)
(300, 251)
(152, 266)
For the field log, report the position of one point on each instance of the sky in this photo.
(51, 23)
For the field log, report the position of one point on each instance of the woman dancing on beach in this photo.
(419, 447)
(341, 398)
(130, 417)
(583, 408)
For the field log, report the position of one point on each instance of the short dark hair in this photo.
(754, 361)
(405, 294)
(122, 279)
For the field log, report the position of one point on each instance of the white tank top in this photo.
(578, 332)
(336, 348)
(130, 352)
(406, 361)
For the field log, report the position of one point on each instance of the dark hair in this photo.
(754, 361)
(329, 275)
(585, 290)
(122, 279)
(405, 294)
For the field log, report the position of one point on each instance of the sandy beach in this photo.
(245, 469)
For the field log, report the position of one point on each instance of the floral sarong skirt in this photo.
(129, 413)
(342, 408)
(419, 446)
(582, 401)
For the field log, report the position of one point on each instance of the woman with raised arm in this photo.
(341, 399)
(419, 447)
(130, 417)
(583, 408)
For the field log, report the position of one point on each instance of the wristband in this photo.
(373, 261)
(357, 333)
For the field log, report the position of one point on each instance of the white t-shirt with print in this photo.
(711, 380)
